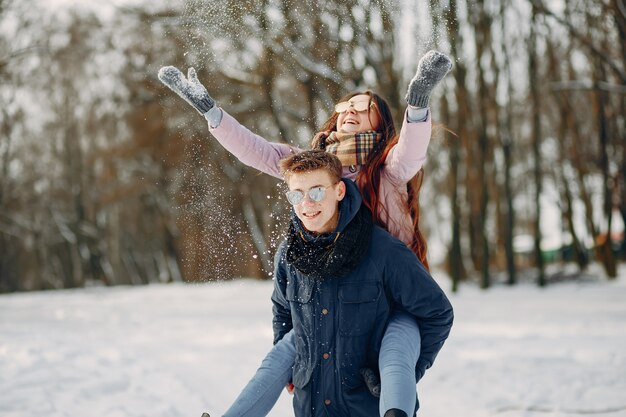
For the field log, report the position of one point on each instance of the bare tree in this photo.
(105, 176)
(460, 125)
(505, 123)
(535, 103)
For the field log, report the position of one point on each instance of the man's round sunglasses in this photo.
(316, 194)
(357, 105)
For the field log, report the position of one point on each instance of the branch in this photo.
(240, 77)
(256, 232)
(4, 61)
(64, 230)
(621, 6)
(14, 222)
(587, 85)
(572, 30)
(308, 64)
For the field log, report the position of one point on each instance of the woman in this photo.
(385, 166)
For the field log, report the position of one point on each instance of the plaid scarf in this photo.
(352, 148)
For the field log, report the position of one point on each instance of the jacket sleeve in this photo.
(251, 149)
(281, 321)
(408, 156)
(413, 289)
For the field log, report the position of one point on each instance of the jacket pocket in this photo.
(358, 306)
(299, 293)
(299, 290)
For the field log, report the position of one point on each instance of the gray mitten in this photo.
(371, 380)
(190, 89)
(430, 70)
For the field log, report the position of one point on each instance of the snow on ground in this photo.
(178, 350)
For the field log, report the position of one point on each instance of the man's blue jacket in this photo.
(339, 323)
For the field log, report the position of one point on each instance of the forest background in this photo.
(106, 177)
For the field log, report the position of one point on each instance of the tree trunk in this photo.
(506, 127)
(455, 256)
(533, 80)
(580, 254)
(605, 250)
(482, 36)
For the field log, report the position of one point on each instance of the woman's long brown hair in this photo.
(368, 178)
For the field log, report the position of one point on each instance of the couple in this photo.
(352, 304)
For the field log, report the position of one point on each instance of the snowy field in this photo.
(178, 350)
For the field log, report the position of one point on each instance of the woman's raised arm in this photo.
(409, 155)
(251, 149)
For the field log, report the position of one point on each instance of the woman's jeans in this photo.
(398, 355)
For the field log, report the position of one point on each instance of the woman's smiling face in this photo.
(353, 121)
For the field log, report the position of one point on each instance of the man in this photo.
(338, 278)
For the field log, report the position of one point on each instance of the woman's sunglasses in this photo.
(316, 194)
(357, 105)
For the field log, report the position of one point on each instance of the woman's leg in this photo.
(399, 352)
(263, 390)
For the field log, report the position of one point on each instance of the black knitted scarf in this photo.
(331, 255)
